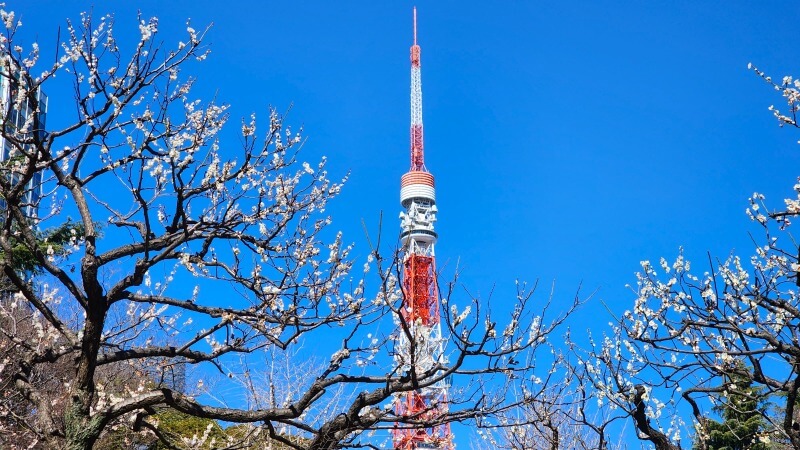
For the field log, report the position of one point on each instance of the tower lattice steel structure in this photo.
(420, 347)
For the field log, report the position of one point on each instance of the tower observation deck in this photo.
(419, 346)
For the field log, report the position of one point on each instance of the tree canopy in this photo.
(176, 260)
(177, 246)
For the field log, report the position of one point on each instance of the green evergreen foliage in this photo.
(260, 438)
(178, 430)
(182, 428)
(742, 416)
(51, 242)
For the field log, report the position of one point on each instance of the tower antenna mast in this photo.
(417, 142)
(415, 25)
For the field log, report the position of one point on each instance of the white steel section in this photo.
(416, 96)
(423, 241)
(417, 191)
(429, 346)
(419, 216)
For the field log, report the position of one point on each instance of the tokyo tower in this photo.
(419, 346)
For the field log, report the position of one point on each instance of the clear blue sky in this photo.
(569, 140)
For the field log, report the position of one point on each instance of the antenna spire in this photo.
(417, 152)
(415, 25)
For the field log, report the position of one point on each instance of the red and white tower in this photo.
(420, 347)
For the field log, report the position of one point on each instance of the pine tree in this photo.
(742, 414)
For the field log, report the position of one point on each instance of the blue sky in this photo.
(569, 140)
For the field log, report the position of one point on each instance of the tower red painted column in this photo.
(420, 348)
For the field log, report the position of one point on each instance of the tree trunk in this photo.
(659, 439)
(82, 430)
